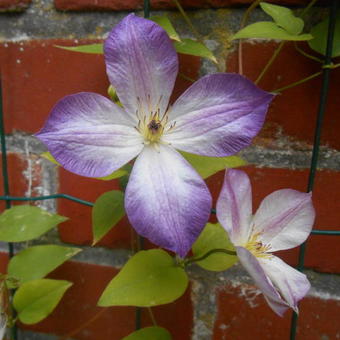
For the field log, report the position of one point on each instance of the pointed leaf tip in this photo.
(36, 299)
(26, 222)
(106, 213)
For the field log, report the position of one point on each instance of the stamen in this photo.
(257, 248)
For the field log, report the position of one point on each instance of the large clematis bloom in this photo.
(284, 220)
(166, 200)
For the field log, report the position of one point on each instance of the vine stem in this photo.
(270, 61)
(88, 322)
(279, 48)
(152, 317)
(188, 21)
(306, 54)
(210, 252)
(243, 23)
(301, 81)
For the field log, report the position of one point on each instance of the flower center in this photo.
(152, 125)
(257, 248)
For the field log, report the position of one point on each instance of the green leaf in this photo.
(106, 212)
(166, 24)
(284, 17)
(47, 155)
(214, 236)
(36, 262)
(192, 47)
(35, 300)
(92, 48)
(26, 222)
(117, 174)
(148, 333)
(149, 278)
(111, 91)
(207, 166)
(320, 32)
(268, 30)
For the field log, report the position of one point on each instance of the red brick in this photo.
(321, 250)
(36, 75)
(13, 5)
(242, 315)
(78, 229)
(292, 113)
(120, 5)
(18, 182)
(79, 305)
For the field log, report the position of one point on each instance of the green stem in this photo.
(210, 252)
(270, 62)
(152, 317)
(188, 21)
(84, 325)
(307, 8)
(306, 54)
(279, 48)
(301, 81)
(182, 75)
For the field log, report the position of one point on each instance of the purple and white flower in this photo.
(166, 200)
(284, 220)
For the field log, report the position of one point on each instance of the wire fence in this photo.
(312, 171)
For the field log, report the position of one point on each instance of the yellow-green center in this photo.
(257, 248)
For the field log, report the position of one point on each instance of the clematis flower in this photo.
(166, 200)
(283, 221)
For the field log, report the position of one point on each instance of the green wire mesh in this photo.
(312, 172)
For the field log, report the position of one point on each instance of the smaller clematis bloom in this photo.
(284, 220)
(165, 200)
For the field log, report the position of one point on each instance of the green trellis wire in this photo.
(317, 137)
(322, 105)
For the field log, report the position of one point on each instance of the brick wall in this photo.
(217, 306)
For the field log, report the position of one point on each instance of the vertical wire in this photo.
(317, 135)
(14, 333)
(146, 8)
(140, 240)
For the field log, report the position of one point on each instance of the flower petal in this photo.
(218, 115)
(285, 219)
(141, 64)
(234, 206)
(256, 271)
(89, 135)
(292, 284)
(166, 200)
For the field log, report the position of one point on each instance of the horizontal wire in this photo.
(48, 197)
(90, 204)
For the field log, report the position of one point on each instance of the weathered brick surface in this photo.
(120, 5)
(25, 176)
(292, 113)
(13, 5)
(35, 75)
(32, 85)
(242, 314)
